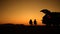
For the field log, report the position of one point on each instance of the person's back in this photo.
(35, 22)
(30, 22)
(56, 17)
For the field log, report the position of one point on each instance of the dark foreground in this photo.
(10, 28)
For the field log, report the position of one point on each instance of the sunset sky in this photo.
(21, 11)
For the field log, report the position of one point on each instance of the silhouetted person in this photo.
(50, 17)
(30, 22)
(47, 16)
(35, 22)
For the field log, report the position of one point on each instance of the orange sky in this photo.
(21, 11)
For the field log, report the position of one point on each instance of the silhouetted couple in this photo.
(31, 22)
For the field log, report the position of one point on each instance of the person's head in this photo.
(30, 19)
(45, 11)
(34, 19)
